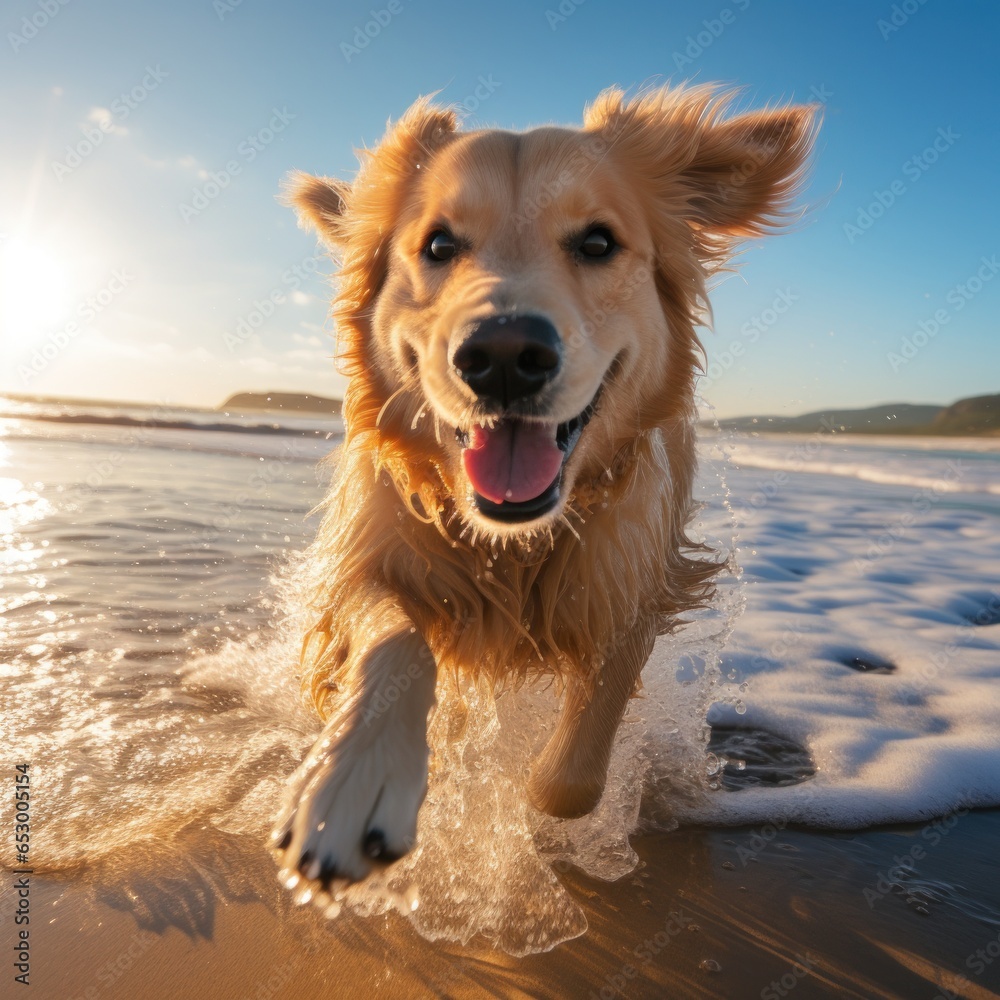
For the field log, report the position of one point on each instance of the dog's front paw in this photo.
(352, 805)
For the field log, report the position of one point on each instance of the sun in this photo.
(39, 289)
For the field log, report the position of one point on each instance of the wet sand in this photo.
(905, 912)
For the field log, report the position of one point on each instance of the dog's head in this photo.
(514, 308)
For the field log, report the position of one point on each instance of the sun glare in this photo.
(38, 289)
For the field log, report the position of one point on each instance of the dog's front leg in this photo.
(568, 778)
(354, 801)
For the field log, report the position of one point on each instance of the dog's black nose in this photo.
(506, 358)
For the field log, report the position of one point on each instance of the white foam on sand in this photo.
(903, 578)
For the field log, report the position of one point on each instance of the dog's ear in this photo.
(747, 170)
(729, 178)
(361, 215)
(320, 203)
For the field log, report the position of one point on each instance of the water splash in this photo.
(129, 764)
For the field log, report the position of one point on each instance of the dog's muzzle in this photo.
(514, 459)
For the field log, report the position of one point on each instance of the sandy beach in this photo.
(708, 913)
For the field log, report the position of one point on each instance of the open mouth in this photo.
(515, 467)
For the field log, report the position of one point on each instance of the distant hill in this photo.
(287, 402)
(977, 416)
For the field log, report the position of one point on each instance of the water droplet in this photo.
(729, 866)
(709, 965)
(741, 709)
(732, 674)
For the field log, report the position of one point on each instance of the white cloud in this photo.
(105, 121)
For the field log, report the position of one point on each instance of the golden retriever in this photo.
(516, 315)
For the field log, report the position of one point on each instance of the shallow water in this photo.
(150, 642)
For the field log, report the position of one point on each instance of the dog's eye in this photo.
(598, 242)
(441, 246)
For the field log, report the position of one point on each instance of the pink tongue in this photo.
(514, 461)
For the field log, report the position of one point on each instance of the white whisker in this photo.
(418, 416)
(387, 404)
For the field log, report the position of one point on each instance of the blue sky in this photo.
(140, 266)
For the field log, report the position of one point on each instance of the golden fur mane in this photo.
(555, 601)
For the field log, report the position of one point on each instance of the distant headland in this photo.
(977, 416)
(287, 402)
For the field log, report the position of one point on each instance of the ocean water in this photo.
(151, 565)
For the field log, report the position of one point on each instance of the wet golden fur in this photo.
(685, 182)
